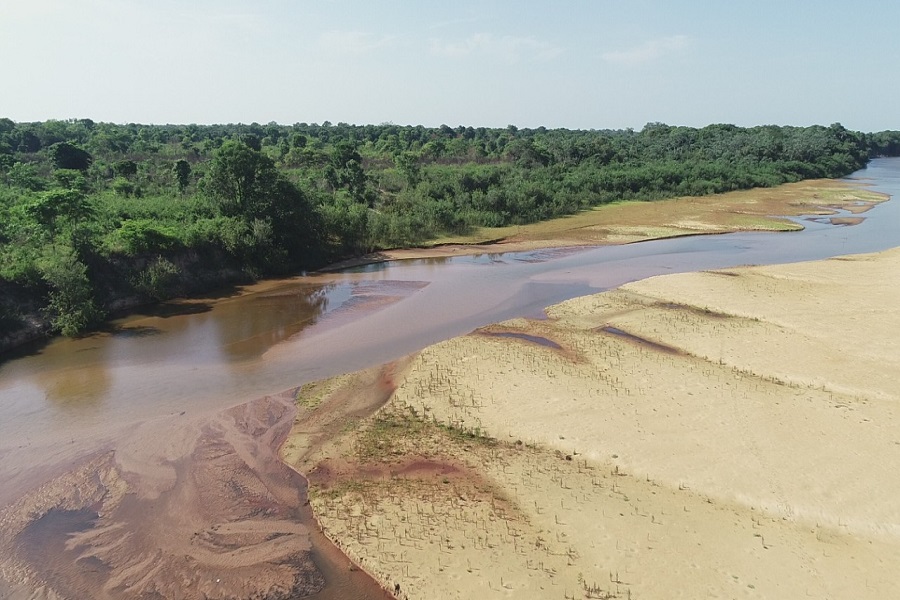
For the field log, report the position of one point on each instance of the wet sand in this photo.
(718, 434)
(207, 511)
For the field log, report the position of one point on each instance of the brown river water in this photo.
(141, 462)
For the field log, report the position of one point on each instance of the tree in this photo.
(24, 176)
(158, 280)
(58, 206)
(242, 180)
(125, 168)
(253, 140)
(284, 228)
(70, 305)
(68, 156)
(346, 171)
(407, 164)
(70, 179)
(6, 163)
(298, 140)
(182, 170)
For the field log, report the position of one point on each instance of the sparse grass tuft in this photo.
(396, 432)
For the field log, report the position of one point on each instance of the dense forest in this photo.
(96, 217)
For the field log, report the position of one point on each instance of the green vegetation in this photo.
(400, 431)
(98, 216)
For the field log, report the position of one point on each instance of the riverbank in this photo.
(725, 433)
(620, 223)
(193, 279)
(759, 209)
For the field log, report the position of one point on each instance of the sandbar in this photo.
(728, 433)
(757, 209)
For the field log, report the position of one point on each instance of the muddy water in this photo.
(139, 418)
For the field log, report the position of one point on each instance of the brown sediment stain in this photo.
(386, 453)
(846, 221)
(706, 313)
(331, 473)
(426, 457)
(722, 273)
(536, 333)
(322, 423)
(638, 340)
(225, 519)
(527, 337)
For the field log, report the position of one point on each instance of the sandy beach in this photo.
(718, 434)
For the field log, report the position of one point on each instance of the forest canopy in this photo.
(99, 216)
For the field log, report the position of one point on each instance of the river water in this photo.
(186, 361)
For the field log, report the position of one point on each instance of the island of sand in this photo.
(724, 434)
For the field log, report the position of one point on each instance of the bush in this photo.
(137, 236)
(70, 303)
(158, 281)
(122, 187)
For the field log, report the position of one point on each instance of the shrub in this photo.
(158, 281)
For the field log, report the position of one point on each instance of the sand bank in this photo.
(759, 209)
(720, 434)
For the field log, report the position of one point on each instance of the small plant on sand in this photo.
(594, 592)
(464, 434)
(311, 395)
(307, 397)
(395, 432)
(391, 432)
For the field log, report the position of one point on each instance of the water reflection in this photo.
(483, 258)
(135, 331)
(375, 267)
(176, 308)
(76, 389)
(246, 330)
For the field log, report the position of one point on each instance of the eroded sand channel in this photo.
(207, 512)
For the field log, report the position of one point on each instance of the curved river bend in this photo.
(158, 402)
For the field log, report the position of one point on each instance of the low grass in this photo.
(401, 432)
(312, 394)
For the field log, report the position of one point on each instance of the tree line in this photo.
(100, 216)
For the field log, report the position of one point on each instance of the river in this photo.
(130, 393)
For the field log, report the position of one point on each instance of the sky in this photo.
(578, 64)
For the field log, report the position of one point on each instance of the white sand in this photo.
(754, 454)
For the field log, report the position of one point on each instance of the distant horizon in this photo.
(390, 124)
(579, 65)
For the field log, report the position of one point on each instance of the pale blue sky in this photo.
(570, 63)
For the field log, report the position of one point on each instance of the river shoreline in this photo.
(614, 224)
